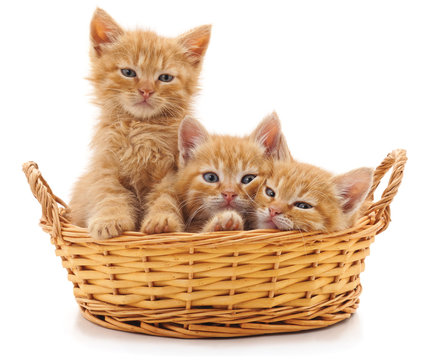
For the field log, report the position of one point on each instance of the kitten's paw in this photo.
(161, 223)
(102, 228)
(225, 221)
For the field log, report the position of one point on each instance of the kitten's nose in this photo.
(146, 93)
(274, 211)
(228, 196)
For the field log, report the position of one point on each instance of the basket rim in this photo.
(367, 226)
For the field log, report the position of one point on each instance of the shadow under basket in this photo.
(221, 284)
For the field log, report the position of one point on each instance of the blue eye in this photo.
(211, 177)
(303, 205)
(128, 72)
(166, 78)
(270, 192)
(247, 178)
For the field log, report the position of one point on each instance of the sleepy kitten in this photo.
(304, 197)
(143, 84)
(218, 177)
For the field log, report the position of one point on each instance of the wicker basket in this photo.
(222, 284)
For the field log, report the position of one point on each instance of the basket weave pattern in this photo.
(224, 284)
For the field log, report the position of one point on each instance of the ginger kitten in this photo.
(143, 84)
(218, 177)
(299, 196)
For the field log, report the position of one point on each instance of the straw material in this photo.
(222, 284)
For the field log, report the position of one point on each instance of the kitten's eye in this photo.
(270, 192)
(128, 72)
(303, 205)
(211, 177)
(247, 178)
(166, 78)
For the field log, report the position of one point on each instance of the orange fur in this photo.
(212, 206)
(135, 142)
(336, 200)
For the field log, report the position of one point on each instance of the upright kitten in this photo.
(300, 196)
(218, 176)
(143, 84)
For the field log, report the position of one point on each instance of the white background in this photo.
(351, 81)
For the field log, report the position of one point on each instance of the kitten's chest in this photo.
(146, 152)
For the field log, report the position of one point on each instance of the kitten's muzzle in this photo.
(270, 224)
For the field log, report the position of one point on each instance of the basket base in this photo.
(293, 320)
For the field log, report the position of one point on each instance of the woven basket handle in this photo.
(396, 160)
(43, 193)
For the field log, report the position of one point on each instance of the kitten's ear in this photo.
(269, 134)
(191, 134)
(103, 29)
(353, 187)
(196, 42)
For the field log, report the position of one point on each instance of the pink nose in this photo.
(274, 211)
(229, 195)
(146, 93)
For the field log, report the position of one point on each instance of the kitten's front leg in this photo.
(114, 209)
(163, 213)
(224, 221)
